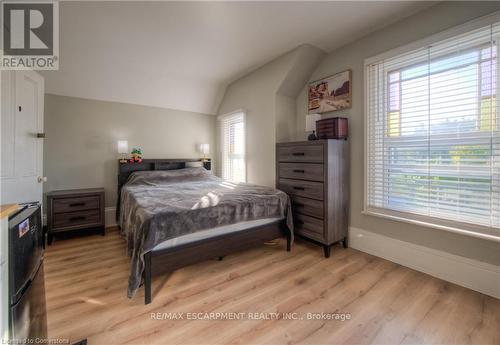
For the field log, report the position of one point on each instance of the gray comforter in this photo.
(160, 205)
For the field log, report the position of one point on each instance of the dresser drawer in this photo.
(62, 205)
(312, 227)
(301, 153)
(76, 219)
(309, 189)
(307, 206)
(302, 171)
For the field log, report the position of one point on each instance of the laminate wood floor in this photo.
(86, 282)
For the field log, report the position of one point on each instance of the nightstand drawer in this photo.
(313, 190)
(63, 205)
(301, 153)
(307, 206)
(310, 226)
(79, 218)
(302, 171)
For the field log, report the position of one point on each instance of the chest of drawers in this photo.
(315, 174)
(75, 209)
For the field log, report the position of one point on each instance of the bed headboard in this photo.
(127, 168)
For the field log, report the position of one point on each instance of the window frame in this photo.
(468, 229)
(220, 119)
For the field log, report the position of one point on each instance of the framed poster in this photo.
(330, 94)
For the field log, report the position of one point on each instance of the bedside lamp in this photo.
(123, 150)
(204, 149)
(311, 125)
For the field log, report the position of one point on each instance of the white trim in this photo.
(365, 133)
(221, 117)
(245, 153)
(440, 36)
(472, 274)
(479, 232)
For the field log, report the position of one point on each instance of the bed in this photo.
(174, 213)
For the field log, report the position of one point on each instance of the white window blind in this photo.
(433, 134)
(233, 147)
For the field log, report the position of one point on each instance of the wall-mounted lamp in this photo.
(123, 150)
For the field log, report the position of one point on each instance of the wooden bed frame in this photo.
(162, 261)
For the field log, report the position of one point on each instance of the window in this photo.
(433, 134)
(233, 147)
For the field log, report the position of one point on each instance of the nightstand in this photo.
(75, 209)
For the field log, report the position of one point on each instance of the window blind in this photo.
(433, 133)
(233, 147)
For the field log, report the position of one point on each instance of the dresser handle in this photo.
(74, 219)
(298, 171)
(298, 154)
(298, 188)
(75, 204)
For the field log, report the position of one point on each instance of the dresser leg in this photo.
(103, 231)
(288, 242)
(345, 242)
(327, 250)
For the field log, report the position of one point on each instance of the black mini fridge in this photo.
(27, 319)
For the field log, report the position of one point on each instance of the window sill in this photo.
(481, 235)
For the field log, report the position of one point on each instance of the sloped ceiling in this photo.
(183, 55)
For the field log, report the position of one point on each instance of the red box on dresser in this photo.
(332, 128)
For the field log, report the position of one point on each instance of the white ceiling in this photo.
(182, 55)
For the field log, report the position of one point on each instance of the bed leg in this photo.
(288, 242)
(147, 278)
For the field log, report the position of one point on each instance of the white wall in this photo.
(257, 94)
(418, 26)
(285, 118)
(81, 135)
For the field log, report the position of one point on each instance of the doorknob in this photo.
(41, 179)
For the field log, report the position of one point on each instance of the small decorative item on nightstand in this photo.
(75, 209)
(136, 155)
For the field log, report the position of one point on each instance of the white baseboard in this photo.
(472, 274)
(109, 216)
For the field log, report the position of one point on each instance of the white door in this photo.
(21, 158)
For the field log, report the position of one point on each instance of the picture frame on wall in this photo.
(331, 93)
